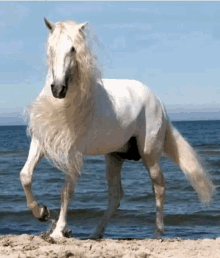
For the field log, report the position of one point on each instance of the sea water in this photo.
(184, 215)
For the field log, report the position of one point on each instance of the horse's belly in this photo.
(101, 142)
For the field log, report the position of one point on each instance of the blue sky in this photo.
(173, 47)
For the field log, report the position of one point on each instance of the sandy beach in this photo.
(43, 246)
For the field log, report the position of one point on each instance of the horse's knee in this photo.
(25, 177)
(157, 177)
(158, 182)
(114, 196)
(159, 192)
(159, 187)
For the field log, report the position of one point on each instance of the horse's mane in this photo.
(59, 124)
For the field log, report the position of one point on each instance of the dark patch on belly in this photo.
(132, 152)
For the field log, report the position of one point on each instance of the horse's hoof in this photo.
(45, 214)
(158, 233)
(56, 235)
(95, 236)
(67, 232)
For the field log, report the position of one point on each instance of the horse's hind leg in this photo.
(65, 199)
(113, 168)
(26, 175)
(152, 163)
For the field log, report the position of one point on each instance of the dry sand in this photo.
(35, 246)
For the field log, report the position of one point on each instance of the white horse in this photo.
(79, 114)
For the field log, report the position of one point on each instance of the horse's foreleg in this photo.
(65, 199)
(26, 175)
(158, 185)
(113, 168)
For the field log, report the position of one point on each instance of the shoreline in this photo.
(29, 246)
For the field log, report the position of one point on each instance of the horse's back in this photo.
(131, 96)
(126, 88)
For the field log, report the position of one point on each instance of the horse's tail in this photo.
(179, 150)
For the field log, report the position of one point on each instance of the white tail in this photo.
(179, 150)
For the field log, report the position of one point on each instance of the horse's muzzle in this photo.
(59, 91)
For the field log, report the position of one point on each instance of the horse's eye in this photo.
(72, 50)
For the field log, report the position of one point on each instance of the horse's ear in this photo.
(82, 26)
(49, 24)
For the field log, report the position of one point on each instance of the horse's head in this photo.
(63, 45)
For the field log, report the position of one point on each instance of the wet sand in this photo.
(43, 246)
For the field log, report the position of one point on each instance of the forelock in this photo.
(68, 28)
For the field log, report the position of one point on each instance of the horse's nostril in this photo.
(63, 90)
(52, 86)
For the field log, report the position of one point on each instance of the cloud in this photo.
(11, 14)
(69, 9)
(128, 26)
(16, 10)
(216, 32)
(150, 9)
(18, 95)
(118, 43)
(22, 68)
(10, 46)
(191, 94)
(3, 101)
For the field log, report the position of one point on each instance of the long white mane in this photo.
(59, 124)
